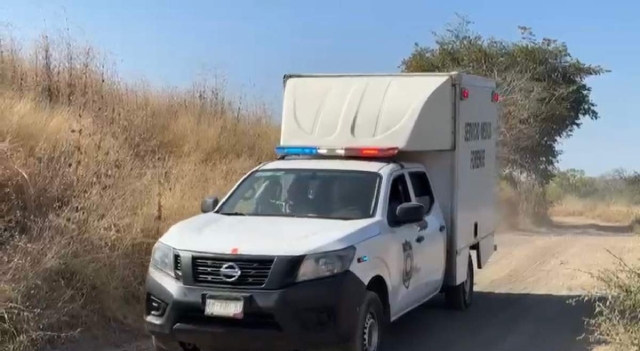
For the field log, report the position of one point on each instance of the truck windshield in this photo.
(332, 194)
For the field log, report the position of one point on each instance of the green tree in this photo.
(544, 96)
(575, 182)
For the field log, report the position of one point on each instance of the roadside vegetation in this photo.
(94, 169)
(544, 98)
(612, 199)
(616, 321)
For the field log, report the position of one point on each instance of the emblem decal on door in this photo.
(407, 250)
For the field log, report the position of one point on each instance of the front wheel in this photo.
(460, 297)
(371, 324)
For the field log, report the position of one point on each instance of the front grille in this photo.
(253, 271)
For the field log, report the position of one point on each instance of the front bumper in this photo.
(311, 314)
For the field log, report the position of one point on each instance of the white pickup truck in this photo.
(384, 187)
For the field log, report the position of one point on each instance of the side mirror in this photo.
(411, 212)
(209, 204)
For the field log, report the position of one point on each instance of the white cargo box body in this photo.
(395, 111)
(429, 118)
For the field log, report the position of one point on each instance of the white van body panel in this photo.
(405, 111)
(476, 173)
(466, 190)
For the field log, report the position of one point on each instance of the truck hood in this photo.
(259, 235)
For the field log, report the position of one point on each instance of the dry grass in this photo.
(615, 324)
(616, 321)
(606, 212)
(92, 171)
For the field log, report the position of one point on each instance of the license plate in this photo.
(230, 308)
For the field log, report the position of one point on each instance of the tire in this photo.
(460, 297)
(370, 327)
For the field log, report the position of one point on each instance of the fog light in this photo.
(155, 306)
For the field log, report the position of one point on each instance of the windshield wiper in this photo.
(232, 213)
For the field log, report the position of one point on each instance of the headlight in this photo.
(325, 264)
(162, 258)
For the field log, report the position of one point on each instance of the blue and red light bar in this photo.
(344, 152)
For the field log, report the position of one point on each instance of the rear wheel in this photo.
(460, 297)
(370, 327)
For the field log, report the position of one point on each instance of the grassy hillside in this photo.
(92, 171)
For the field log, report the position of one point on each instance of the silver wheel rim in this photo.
(371, 333)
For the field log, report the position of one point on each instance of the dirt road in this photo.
(522, 297)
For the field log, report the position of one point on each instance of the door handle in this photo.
(420, 239)
(442, 228)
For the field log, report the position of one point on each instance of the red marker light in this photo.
(234, 251)
(371, 152)
(464, 93)
(495, 97)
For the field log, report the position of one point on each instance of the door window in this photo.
(422, 189)
(398, 195)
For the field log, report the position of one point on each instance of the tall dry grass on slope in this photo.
(92, 171)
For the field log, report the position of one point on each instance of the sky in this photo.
(252, 44)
